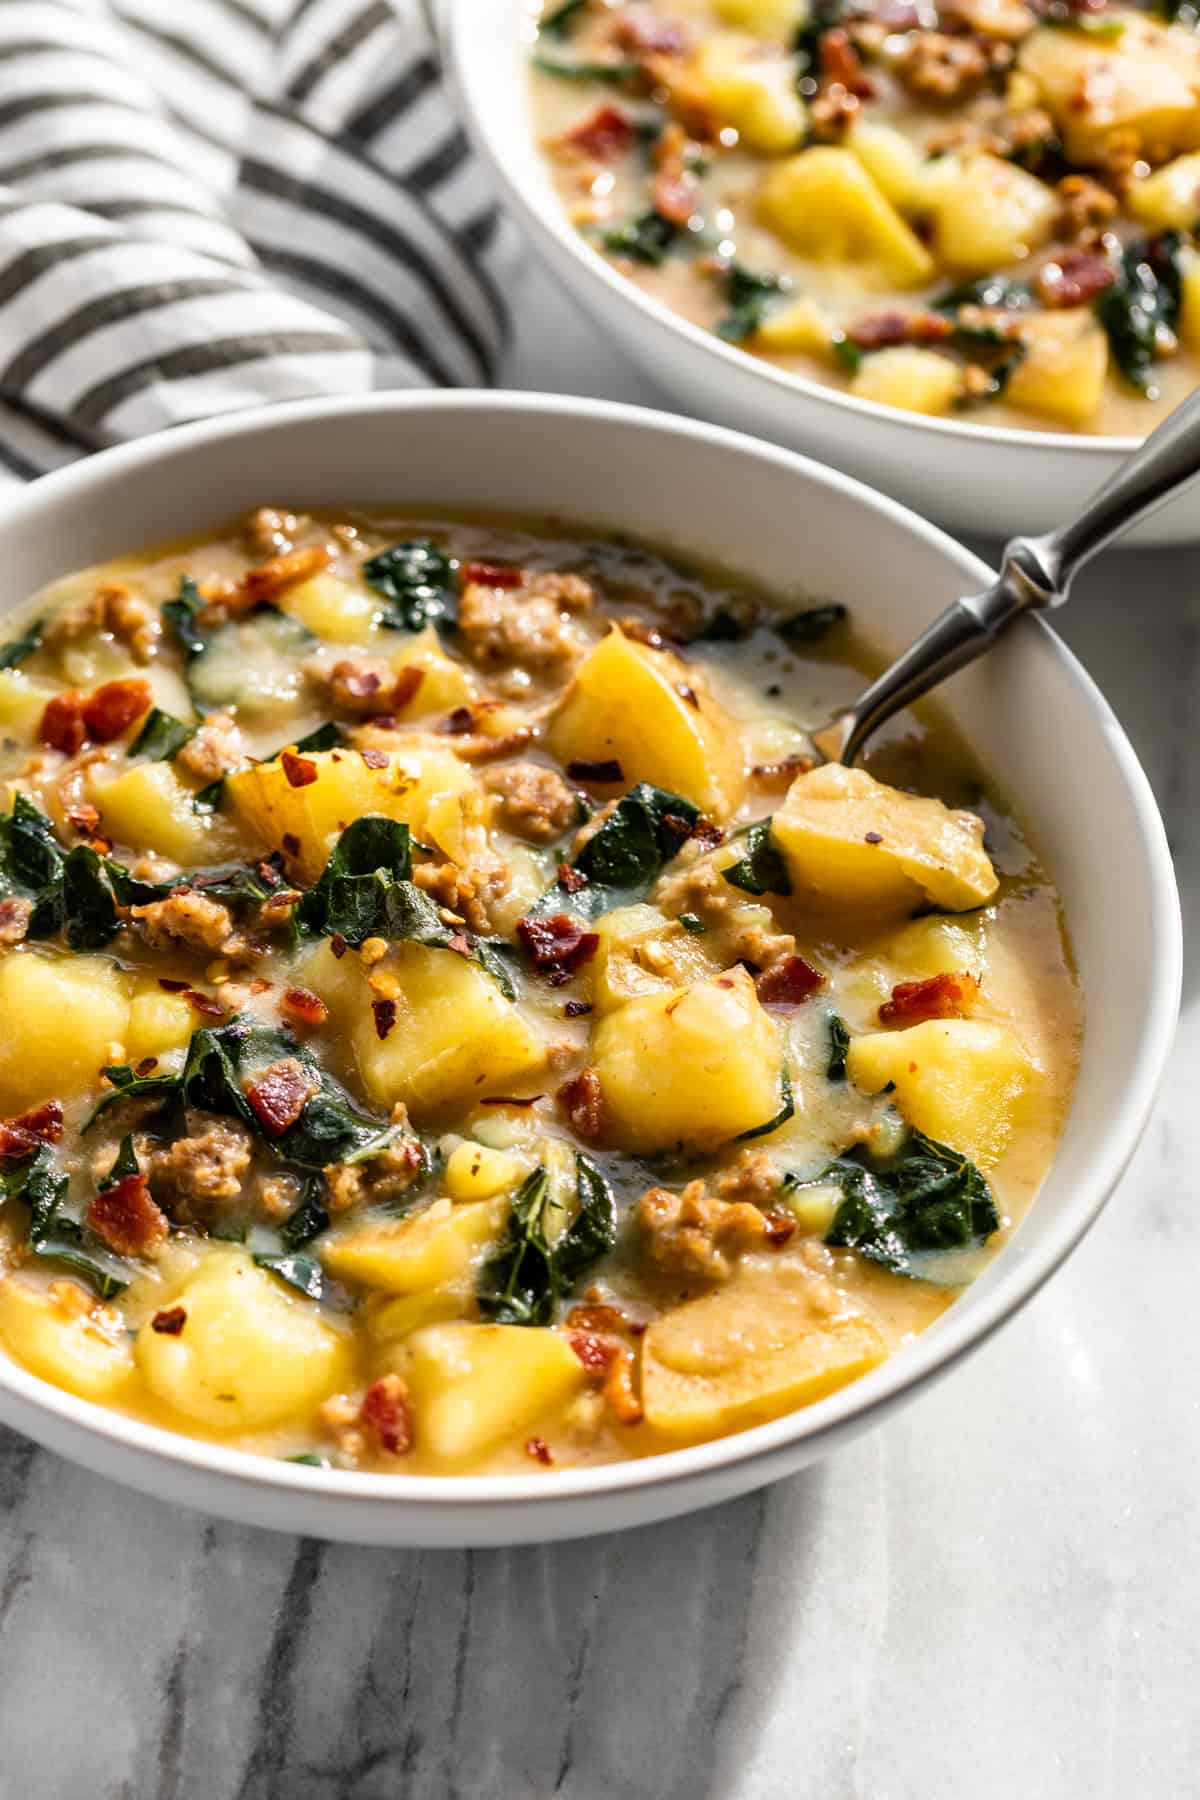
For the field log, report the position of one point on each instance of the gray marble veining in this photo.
(996, 1595)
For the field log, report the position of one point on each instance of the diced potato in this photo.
(474, 1385)
(251, 1351)
(333, 609)
(931, 181)
(991, 214)
(827, 207)
(765, 18)
(1141, 86)
(427, 1250)
(892, 160)
(445, 683)
(476, 1172)
(800, 329)
(1170, 198)
(957, 1080)
(1063, 371)
(631, 703)
(641, 952)
(150, 807)
(158, 1024)
(64, 1340)
(851, 842)
(414, 781)
(698, 1065)
(749, 91)
(1189, 299)
(390, 1318)
(757, 1348)
(922, 948)
(63, 1017)
(815, 1207)
(909, 377)
(22, 703)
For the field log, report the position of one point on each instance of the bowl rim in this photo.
(477, 116)
(1016, 1277)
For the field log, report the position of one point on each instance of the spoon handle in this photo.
(1035, 573)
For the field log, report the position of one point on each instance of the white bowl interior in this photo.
(1029, 711)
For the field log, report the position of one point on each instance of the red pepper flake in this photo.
(576, 1009)
(170, 986)
(788, 982)
(338, 945)
(303, 1007)
(301, 771)
(603, 773)
(706, 833)
(945, 996)
(170, 1321)
(385, 1016)
(595, 1353)
(126, 1217)
(387, 1414)
(460, 943)
(582, 1103)
(496, 575)
(205, 1004)
(558, 944)
(604, 135)
(406, 687)
(21, 1136)
(62, 726)
(83, 818)
(375, 759)
(291, 843)
(675, 195)
(780, 1227)
(872, 837)
(688, 694)
(146, 1067)
(459, 722)
(280, 1094)
(571, 879)
(539, 1449)
(113, 708)
(269, 875)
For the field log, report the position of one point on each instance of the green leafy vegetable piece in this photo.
(647, 238)
(846, 350)
(161, 737)
(762, 869)
(53, 1234)
(492, 956)
(301, 1272)
(619, 73)
(211, 798)
(723, 627)
(308, 1221)
(692, 922)
(416, 579)
(309, 1460)
(811, 625)
(527, 1277)
(15, 651)
(125, 1165)
(126, 1085)
(562, 20)
(31, 864)
(906, 1212)
(839, 1043)
(329, 736)
(1139, 311)
(787, 1108)
(620, 861)
(986, 290)
(182, 614)
(89, 907)
(592, 1233)
(749, 295)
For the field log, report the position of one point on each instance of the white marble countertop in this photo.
(995, 1595)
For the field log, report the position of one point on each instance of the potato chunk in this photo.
(444, 683)
(850, 841)
(649, 710)
(332, 609)
(22, 703)
(150, 807)
(158, 1024)
(1189, 299)
(991, 213)
(800, 329)
(428, 1250)
(758, 1348)
(957, 1080)
(1170, 198)
(911, 378)
(641, 952)
(892, 160)
(61, 1338)
(63, 1017)
(1141, 86)
(476, 1172)
(748, 91)
(1063, 370)
(695, 1065)
(474, 1385)
(827, 207)
(250, 1353)
(765, 18)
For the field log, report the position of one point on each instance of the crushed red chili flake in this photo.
(338, 945)
(571, 879)
(303, 1006)
(705, 832)
(459, 722)
(460, 943)
(688, 694)
(170, 986)
(126, 1217)
(301, 771)
(375, 759)
(83, 818)
(539, 1449)
(780, 1227)
(113, 708)
(582, 1102)
(387, 1414)
(205, 1004)
(872, 837)
(557, 944)
(487, 574)
(945, 996)
(603, 135)
(62, 726)
(280, 1094)
(788, 982)
(594, 1352)
(146, 1067)
(170, 1321)
(21, 1136)
(406, 686)
(576, 1009)
(384, 1012)
(602, 772)
(291, 843)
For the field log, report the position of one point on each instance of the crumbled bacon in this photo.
(841, 64)
(644, 32)
(780, 1227)
(15, 915)
(113, 708)
(126, 1217)
(300, 771)
(539, 1449)
(788, 982)
(270, 579)
(62, 725)
(603, 136)
(170, 1321)
(303, 1007)
(375, 759)
(493, 575)
(620, 1388)
(387, 1415)
(593, 1351)
(405, 687)
(83, 818)
(876, 331)
(21, 1136)
(571, 879)
(945, 996)
(582, 1103)
(1074, 278)
(279, 1095)
(557, 943)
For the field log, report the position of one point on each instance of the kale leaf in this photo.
(89, 907)
(762, 869)
(562, 20)
(524, 1281)
(822, 16)
(987, 290)
(31, 864)
(127, 1085)
(839, 1043)
(811, 625)
(302, 1272)
(15, 651)
(1140, 309)
(161, 737)
(787, 1107)
(329, 736)
(209, 799)
(416, 579)
(906, 1212)
(648, 237)
(182, 613)
(616, 72)
(308, 1221)
(53, 1234)
(748, 295)
(645, 830)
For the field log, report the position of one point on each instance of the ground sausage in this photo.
(696, 1236)
(185, 918)
(533, 625)
(209, 1164)
(535, 801)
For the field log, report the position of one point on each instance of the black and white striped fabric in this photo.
(209, 204)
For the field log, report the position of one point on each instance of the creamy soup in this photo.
(452, 1021)
(984, 208)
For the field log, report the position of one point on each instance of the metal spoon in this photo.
(1036, 573)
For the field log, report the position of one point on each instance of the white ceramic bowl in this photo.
(797, 529)
(973, 477)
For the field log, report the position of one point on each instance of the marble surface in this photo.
(993, 1596)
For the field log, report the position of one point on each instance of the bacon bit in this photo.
(841, 64)
(20, 1137)
(495, 575)
(338, 945)
(595, 1353)
(83, 818)
(126, 1217)
(406, 686)
(642, 31)
(702, 832)
(602, 773)
(604, 136)
(557, 943)
(876, 331)
(385, 1017)
(780, 1227)
(375, 759)
(575, 1009)
(303, 1007)
(113, 708)
(459, 722)
(620, 1388)
(275, 576)
(596, 1318)
(280, 1095)
(788, 982)
(582, 1102)
(539, 1449)
(387, 1415)
(62, 725)
(674, 196)
(946, 996)
(300, 770)
(290, 843)
(781, 773)
(170, 1321)
(170, 986)
(205, 1004)
(1074, 278)
(571, 879)
(15, 915)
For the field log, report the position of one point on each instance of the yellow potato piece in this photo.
(64, 1344)
(1189, 300)
(1141, 86)
(476, 1172)
(1063, 371)
(333, 609)
(957, 1080)
(1170, 198)
(755, 1349)
(892, 160)
(472, 1386)
(390, 1318)
(428, 1250)
(641, 952)
(695, 1065)
(800, 329)
(632, 703)
(22, 703)
(251, 1353)
(765, 18)
(63, 1017)
(989, 214)
(827, 207)
(913, 379)
(850, 841)
(749, 91)
(158, 1023)
(148, 806)
(445, 683)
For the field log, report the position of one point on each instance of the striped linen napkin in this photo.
(209, 204)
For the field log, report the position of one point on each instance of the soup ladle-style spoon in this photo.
(1035, 575)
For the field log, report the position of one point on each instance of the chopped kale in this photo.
(561, 21)
(302, 1272)
(308, 1221)
(811, 625)
(127, 1085)
(787, 1108)
(907, 1211)
(620, 73)
(89, 906)
(846, 350)
(53, 1234)
(524, 1281)
(692, 922)
(124, 1165)
(161, 737)
(31, 864)
(623, 859)
(329, 736)
(15, 651)
(209, 799)
(987, 290)
(1141, 308)
(762, 869)
(839, 1043)
(233, 883)
(182, 614)
(723, 627)
(821, 16)
(647, 238)
(416, 580)
(748, 295)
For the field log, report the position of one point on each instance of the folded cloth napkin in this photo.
(209, 204)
